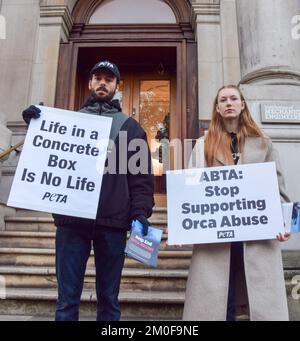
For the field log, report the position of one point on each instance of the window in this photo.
(133, 12)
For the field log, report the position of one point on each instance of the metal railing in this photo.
(11, 149)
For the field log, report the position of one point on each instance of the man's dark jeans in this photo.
(73, 247)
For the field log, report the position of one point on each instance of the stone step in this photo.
(19, 248)
(291, 259)
(34, 224)
(159, 213)
(20, 212)
(139, 279)
(44, 224)
(176, 259)
(134, 304)
(31, 239)
(27, 239)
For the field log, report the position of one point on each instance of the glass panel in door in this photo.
(154, 116)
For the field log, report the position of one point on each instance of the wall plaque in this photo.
(280, 112)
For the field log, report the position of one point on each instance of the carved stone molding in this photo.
(82, 30)
(206, 12)
(85, 8)
(276, 75)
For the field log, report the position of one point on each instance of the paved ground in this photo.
(23, 318)
(50, 318)
(33, 318)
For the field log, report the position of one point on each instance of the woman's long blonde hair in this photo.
(218, 140)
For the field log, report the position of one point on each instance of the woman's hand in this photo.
(283, 237)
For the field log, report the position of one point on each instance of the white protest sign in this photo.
(223, 204)
(62, 162)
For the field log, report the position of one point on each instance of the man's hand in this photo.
(143, 220)
(31, 112)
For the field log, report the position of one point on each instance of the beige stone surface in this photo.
(5, 138)
(14, 87)
(209, 42)
(265, 37)
(29, 55)
(45, 68)
(231, 71)
(230, 46)
(22, 19)
(17, 54)
(69, 3)
(286, 138)
(54, 26)
(210, 63)
(210, 76)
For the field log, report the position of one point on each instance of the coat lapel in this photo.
(220, 160)
(254, 151)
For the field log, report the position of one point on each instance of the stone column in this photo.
(230, 46)
(218, 50)
(54, 27)
(268, 52)
(5, 143)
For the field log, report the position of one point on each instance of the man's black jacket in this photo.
(123, 196)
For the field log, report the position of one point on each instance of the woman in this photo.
(241, 274)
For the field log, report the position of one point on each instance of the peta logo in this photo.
(296, 29)
(2, 27)
(225, 234)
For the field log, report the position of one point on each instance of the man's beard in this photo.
(107, 98)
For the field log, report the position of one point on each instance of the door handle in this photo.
(133, 112)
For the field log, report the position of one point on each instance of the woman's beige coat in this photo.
(207, 286)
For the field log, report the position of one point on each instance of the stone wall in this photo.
(28, 63)
(270, 71)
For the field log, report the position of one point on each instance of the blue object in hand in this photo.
(31, 112)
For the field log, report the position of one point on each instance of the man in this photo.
(124, 196)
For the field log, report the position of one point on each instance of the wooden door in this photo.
(151, 100)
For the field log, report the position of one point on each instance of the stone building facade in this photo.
(199, 46)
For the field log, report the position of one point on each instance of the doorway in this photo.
(147, 93)
(147, 99)
(158, 64)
